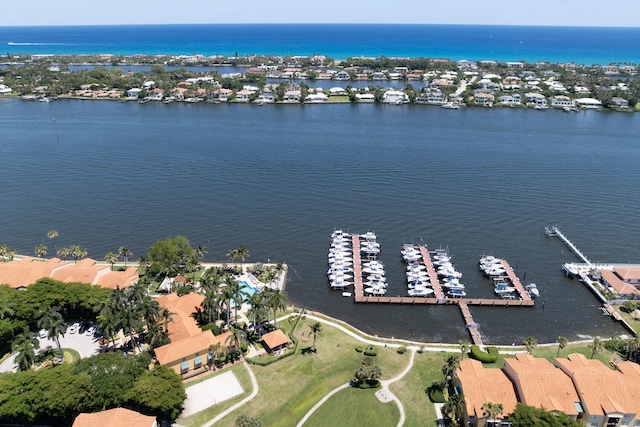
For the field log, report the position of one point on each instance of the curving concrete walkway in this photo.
(253, 394)
(384, 395)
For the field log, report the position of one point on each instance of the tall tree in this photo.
(239, 253)
(53, 235)
(316, 331)
(530, 343)
(596, 347)
(124, 253)
(454, 407)
(52, 321)
(41, 250)
(465, 345)
(111, 258)
(62, 253)
(25, 345)
(451, 363)
(239, 296)
(77, 252)
(237, 338)
(276, 300)
(562, 343)
(491, 411)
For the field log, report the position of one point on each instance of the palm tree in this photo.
(149, 310)
(165, 316)
(454, 407)
(562, 343)
(277, 300)
(53, 235)
(239, 294)
(62, 253)
(239, 253)
(465, 345)
(77, 252)
(108, 324)
(111, 258)
(226, 295)
(316, 330)
(52, 321)
(4, 250)
(41, 250)
(129, 320)
(200, 251)
(6, 309)
(124, 253)
(491, 411)
(236, 339)
(143, 263)
(530, 343)
(451, 363)
(136, 293)
(25, 345)
(596, 347)
(257, 312)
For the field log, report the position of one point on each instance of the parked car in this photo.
(91, 330)
(43, 333)
(74, 328)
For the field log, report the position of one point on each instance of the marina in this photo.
(420, 259)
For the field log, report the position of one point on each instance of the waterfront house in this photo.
(395, 97)
(540, 384)
(243, 95)
(21, 273)
(617, 280)
(481, 385)
(607, 397)
(5, 90)
(316, 97)
(133, 92)
(620, 102)
(514, 99)
(589, 103)
(562, 101)
(292, 96)
(342, 75)
(484, 99)
(222, 94)
(535, 99)
(378, 75)
(365, 97)
(116, 417)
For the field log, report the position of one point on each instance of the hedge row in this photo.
(490, 356)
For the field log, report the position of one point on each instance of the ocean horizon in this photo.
(581, 45)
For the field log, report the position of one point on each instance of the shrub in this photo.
(367, 384)
(359, 348)
(436, 392)
(402, 349)
(370, 350)
(490, 356)
(420, 350)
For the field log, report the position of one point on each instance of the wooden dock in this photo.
(440, 298)
(472, 326)
(511, 275)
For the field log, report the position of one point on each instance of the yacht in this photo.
(532, 290)
(369, 236)
(340, 269)
(450, 106)
(413, 284)
(456, 293)
(340, 284)
(375, 291)
(420, 292)
(504, 289)
(449, 272)
(454, 285)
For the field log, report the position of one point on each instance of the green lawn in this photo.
(354, 407)
(289, 388)
(635, 324)
(70, 355)
(411, 390)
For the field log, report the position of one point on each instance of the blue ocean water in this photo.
(581, 45)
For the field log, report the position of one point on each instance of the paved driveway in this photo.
(86, 346)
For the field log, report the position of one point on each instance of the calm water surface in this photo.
(279, 179)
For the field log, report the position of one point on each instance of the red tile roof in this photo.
(116, 417)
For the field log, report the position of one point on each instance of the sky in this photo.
(619, 13)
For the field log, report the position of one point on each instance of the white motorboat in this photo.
(570, 269)
(449, 272)
(339, 233)
(369, 250)
(375, 291)
(532, 290)
(340, 284)
(450, 106)
(504, 289)
(340, 269)
(454, 285)
(456, 293)
(410, 257)
(495, 271)
(347, 294)
(418, 283)
(340, 275)
(369, 235)
(340, 258)
(380, 283)
(420, 292)
(416, 268)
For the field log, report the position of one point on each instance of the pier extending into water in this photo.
(555, 232)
